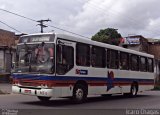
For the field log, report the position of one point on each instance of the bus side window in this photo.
(98, 57)
(134, 62)
(124, 63)
(150, 65)
(65, 59)
(82, 54)
(112, 59)
(143, 64)
(59, 54)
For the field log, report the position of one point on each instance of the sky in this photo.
(84, 17)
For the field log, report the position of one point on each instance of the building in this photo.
(136, 42)
(154, 49)
(146, 45)
(7, 38)
(7, 42)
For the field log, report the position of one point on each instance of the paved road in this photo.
(148, 99)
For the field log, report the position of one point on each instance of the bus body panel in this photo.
(98, 79)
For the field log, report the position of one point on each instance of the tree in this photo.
(109, 36)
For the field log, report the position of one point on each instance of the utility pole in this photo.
(42, 25)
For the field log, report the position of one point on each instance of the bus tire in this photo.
(44, 99)
(134, 90)
(79, 94)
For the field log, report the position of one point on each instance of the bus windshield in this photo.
(36, 58)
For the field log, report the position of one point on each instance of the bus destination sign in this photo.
(29, 39)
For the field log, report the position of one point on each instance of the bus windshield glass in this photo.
(36, 58)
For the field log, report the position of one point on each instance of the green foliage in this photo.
(156, 87)
(109, 36)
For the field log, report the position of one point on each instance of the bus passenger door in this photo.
(65, 56)
(64, 64)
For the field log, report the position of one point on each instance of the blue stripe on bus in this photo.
(75, 78)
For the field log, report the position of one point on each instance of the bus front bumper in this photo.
(45, 92)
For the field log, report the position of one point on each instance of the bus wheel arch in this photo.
(80, 92)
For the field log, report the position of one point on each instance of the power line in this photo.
(10, 27)
(67, 31)
(45, 24)
(17, 15)
(116, 12)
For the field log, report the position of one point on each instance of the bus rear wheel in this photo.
(44, 99)
(79, 94)
(134, 90)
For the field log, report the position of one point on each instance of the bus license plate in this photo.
(27, 91)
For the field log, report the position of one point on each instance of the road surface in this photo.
(145, 100)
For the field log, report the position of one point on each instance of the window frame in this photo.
(62, 66)
(110, 61)
(141, 65)
(83, 59)
(131, 63)
(94, 54)
(121, 65)
(149, 65)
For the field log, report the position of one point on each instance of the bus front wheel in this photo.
(79, 93)
(44, 99)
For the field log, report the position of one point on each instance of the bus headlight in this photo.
(44, 85)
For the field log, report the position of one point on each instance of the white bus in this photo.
(57, 65)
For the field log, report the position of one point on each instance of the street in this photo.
(145, 100)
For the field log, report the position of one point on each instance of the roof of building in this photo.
(151, 40)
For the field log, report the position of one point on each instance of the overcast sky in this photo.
(85, 17)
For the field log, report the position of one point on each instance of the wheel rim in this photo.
(134, 90)
(79, 94)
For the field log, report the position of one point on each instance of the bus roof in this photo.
(38, 34)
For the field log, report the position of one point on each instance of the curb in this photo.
(3, 93)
